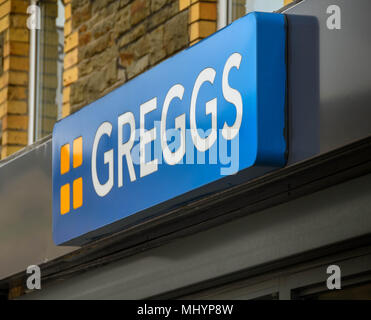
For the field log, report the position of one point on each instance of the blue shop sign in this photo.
(189, 126)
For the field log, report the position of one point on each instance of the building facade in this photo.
(271, 238)
(104, 44)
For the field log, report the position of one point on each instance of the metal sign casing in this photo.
(221, 100)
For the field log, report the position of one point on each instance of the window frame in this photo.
(288, 281)
(32, 94)
(35, 69)
(225, 13)
(222, 13)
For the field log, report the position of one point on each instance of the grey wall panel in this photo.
(329, 106)
(327, 217)
(329, 76)
(25, 211)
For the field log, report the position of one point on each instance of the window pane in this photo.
(240, 7)
(49, 62)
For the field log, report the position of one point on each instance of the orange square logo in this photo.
(65, 199)
(77, 185)
(77, 152)
(65, 159)
(77, 193)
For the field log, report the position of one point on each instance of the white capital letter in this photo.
(173, 158)
(102, 189)
(147, 136)
(203, 144)
(232, 96)
(124, 149)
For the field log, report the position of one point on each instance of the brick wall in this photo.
(110, 42)
(107, 43)
(14, 75)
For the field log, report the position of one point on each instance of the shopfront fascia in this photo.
(315, 206)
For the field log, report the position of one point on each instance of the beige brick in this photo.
(68, 11)
(71, 58)
(203, 11)
(6, 64)
(2, 110)
(3, 94)
(194, 1)
(194, 42)
(66, 110)
(18, 77)
(15, 137)
(4, 78)
(70, 76)
(16, 48)
(18, 21)
(183, 4)
(19, 6)
(18, 63)
(15, 122)
(21, 35)
(68, 28)
(71, 42)
(201, 29)
(17, 93)
(4, 23)
(66, 94)
(16, 107)
(5, 8)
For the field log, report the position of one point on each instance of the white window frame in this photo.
(224, 13)
(33, 87)
(223, 10)
(32, 83)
